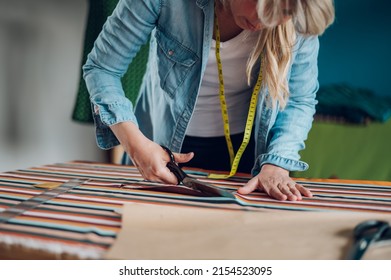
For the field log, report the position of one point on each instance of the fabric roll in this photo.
(98, 12)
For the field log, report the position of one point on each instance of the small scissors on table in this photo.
(193, 183)
(367, 233)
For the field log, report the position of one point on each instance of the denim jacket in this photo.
(180, 33)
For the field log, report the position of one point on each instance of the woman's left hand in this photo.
(275, 181)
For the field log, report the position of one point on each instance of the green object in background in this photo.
(352, 104)
(348, 151)
(99, 10)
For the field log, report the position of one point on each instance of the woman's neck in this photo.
(227, 26)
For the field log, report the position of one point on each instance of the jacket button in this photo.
(170, 52)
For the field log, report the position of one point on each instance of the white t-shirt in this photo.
(207, 120)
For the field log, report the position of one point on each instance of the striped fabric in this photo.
(84, 222)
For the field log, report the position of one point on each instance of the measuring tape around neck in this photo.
(234, 159)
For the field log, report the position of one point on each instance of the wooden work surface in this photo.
(85, 222)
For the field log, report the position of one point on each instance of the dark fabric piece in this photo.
(98, 12)
(212, 153)
(354, 105)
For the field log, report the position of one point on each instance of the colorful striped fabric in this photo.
(84, 222)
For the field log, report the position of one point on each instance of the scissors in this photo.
(367, 233)
(193, 183)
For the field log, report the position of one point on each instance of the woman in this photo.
(265, 50)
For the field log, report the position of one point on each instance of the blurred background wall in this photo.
(40, 56)
(355, 49)
(40, 52)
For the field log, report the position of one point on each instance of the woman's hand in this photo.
(275, 181)
(149, 158)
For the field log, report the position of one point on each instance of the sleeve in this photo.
(290, 129)
(123, 34)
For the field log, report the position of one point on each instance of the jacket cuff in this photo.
(288, 164)
(107, 115)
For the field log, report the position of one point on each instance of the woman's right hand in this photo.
(149, 158)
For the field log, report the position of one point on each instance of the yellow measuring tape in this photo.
(234, 159)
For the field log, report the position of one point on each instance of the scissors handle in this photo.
(365, 234)
(173, 166)
(373, 229)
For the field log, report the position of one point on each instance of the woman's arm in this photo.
(290, 130)
(123, 34)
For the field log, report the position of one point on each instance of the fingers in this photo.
(165, 175)
(288, 192)
(251, 186)
(182, 158)
(158, 173)
(277, 194)
(277, 185)
(151, 160)
(304, 191)
(291, 190)
(295, 192)
(254, 184)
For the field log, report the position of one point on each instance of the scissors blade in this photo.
(366, 233)
(386, 235)
(206, 188)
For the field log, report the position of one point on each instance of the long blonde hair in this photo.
(275, 42)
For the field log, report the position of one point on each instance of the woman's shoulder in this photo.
(305, 39)
(305, 42)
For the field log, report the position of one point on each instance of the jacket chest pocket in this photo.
(174, 62)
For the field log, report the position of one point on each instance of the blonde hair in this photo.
(275, 42)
